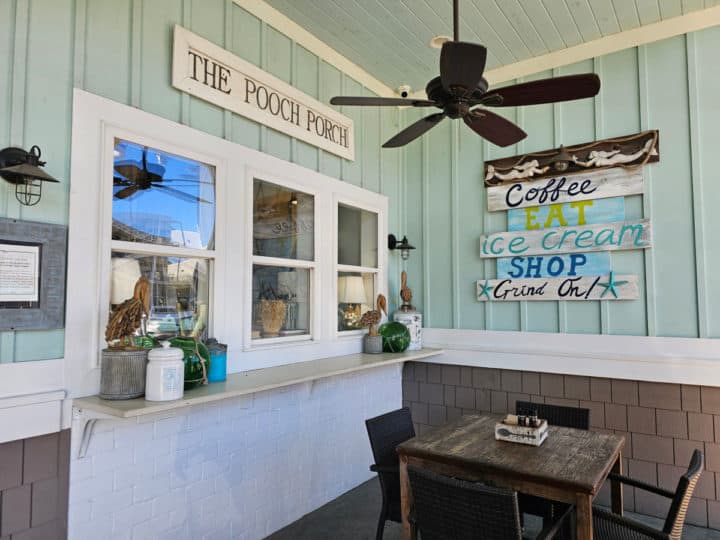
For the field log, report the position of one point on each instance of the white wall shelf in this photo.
(248, 382)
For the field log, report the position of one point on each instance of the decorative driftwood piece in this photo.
(372, 318)
(405, 293)
(630, 151)
(127, 317)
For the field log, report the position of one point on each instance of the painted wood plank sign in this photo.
(600, 237)
(600, 184)
(604, 287)
(213, 74)
(564, 214)
(573, 264)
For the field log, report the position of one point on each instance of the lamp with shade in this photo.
(351, 293)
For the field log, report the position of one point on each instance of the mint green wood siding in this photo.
(121, 49)
(669, 85)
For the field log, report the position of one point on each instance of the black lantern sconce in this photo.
(403, 245)
(23, 169)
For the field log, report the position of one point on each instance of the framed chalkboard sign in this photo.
(32, 275)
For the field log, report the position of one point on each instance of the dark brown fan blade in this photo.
(181, 194)
(413, 131)
(494, 127)
(544, 91)
(131, 172)
(125, 193)
(461, 66)
(381, 101)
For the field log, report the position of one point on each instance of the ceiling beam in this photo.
(691, 22)
(299, 35)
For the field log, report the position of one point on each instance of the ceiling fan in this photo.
(462, 92)
(132, 179)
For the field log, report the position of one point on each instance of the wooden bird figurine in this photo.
(127, 317)
(372, 318)
(405, 293)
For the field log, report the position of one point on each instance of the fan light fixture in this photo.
(23, 169)
(403, 245)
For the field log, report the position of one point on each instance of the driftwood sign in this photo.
(564, 214)
(604, 287)
(561, 189)
(569, 265)
(630, 152)
(601, 237)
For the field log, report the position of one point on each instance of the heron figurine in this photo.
(372, 318)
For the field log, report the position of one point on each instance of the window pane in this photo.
(356, 294)
(357, 237)
(281, 301)
(179, 291)
(161, 198)
(283, 222)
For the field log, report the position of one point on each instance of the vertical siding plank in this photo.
(277, 62)
(671, 195)
(156, 93)
(330, 83)
(619, 116)
(246, 44)
(371, 145)
(390, 186)
(112, 36)
(307, 67)
(79, 50)
(136, 53)
(352, 171)
(227, 43)
(413, 196)
(454, 222)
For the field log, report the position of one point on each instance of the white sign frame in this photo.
(230, 77)
(611, 182)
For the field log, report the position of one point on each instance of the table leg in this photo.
(616, 491)
(408, 529)
(584, 522)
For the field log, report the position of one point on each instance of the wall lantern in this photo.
(403, 245)
(23, 169)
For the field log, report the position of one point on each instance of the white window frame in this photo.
(380, 273)
(97, 122)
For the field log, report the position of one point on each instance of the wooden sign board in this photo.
(564, 214)
(628, 150)
(604, 287)
(546, 266)
(213, 74)
(600, 237)
(600, 184)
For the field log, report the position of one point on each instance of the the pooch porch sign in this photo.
(213, 74)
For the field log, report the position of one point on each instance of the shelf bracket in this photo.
(87, 420)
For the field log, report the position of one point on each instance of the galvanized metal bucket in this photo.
(372, 344)
(122, 373)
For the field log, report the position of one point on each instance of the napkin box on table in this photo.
(533, 436)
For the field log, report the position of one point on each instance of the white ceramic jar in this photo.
(165, 373)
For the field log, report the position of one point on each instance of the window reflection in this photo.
(163, 199)
(283, 222)
(281, 301)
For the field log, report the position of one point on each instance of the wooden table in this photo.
(570, 466)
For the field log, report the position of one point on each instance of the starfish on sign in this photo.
(486, 288)
(610, 285)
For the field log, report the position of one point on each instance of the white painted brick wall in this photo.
(235, 469)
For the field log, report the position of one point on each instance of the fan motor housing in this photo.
(453, 107)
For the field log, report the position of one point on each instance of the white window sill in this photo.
(250, 382)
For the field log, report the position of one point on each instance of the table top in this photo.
(570, 459)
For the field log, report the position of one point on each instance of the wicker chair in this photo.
(385, 433)
(445, 508)
(609, 526)
(556, 415)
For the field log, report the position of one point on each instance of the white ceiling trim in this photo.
(298, 34)
(696, 20)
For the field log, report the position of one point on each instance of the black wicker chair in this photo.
(556, 415)
(445, 508)
(386, 432)
(609, 526)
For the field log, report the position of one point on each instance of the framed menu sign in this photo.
(32, 275)
(19, 274)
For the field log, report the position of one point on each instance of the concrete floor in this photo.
(353, 516)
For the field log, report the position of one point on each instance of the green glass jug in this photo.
(194, 351)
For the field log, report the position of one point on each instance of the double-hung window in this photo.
(163, 229)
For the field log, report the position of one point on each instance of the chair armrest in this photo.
(554, 527)
(642, 485)
(622, 527)
(385, 468)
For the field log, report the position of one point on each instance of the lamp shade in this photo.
(125, 273)
(351, 290)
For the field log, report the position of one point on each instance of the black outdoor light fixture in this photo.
(403, 245)
(23, 169)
